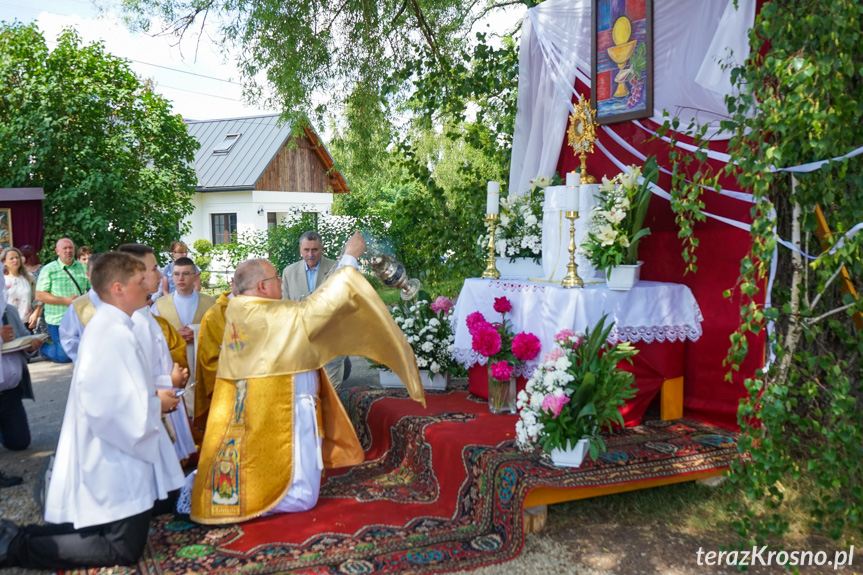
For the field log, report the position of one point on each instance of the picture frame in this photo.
(5, 228)
(622, 60)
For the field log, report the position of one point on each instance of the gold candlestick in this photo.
(491, 268)
(571, 279)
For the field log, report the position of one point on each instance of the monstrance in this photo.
(582, 134)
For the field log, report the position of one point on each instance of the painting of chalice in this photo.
(622, 86)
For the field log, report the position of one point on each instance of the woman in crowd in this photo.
(178, 250)
(32, 264)
(19, 284)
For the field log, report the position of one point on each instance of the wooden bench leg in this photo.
(535, 518)
(671, 399)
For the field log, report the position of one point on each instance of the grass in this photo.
(697, 510)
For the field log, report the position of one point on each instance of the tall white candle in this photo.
(571, 200)
(493, 197)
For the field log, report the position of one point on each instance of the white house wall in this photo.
(246, 205)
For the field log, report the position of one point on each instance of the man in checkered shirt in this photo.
(60, 282)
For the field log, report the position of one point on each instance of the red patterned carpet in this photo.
(441, 489)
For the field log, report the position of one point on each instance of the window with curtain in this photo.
(224, 228)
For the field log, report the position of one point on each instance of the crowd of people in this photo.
(130, 432)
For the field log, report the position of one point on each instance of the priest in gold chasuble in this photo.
(246, 463)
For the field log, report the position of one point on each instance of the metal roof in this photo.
(239, 169)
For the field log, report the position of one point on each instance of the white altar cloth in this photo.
(651, 311)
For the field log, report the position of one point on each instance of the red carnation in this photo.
(486, 340)
(525, 346)
(502, 305)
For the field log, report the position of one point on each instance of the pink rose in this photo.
(525, 346)
(553, 355)
(553, 404)
(502, 370)
(441, 303)
(474, 320)
(486, 340)
(502, 305)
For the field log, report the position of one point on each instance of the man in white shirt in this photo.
(115, 464)
(183, 309)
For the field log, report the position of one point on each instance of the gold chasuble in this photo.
(176, 343)
(84, 308)
(209, 346)
(246, 464)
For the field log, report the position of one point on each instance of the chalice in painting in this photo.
(621, 52)
(388, 269)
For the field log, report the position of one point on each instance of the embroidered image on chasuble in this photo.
(249, 443)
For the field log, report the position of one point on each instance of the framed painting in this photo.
(5, 227)
(622, 60)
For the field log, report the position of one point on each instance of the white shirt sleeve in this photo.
(348, 260)
(71, 330)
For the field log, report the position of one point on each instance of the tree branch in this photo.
(829, 281)
(813, 320)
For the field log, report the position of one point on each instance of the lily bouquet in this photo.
(505, 351)
(519, 230)
(426, 325)
(615, 225)
(576, 391)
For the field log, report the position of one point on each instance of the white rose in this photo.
(531, 220)
(427, 346)
(434, 322)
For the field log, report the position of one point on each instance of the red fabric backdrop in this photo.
(707, 396)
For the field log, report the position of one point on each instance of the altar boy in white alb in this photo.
(115, 465)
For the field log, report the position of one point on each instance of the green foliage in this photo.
(114, 162)
(589, 387)
(800, 100)
(427, 106)
(202, 258)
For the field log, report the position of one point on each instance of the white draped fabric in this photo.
(692, 43)
(651, 311)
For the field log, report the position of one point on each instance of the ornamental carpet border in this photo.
(441, 489)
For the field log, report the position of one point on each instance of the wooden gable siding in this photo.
(298, 169)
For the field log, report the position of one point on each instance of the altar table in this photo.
(656, 317)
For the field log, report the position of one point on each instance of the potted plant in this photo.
(505, 352)
(426, 326)
(574, 393)
(615, 226)
(518, 234)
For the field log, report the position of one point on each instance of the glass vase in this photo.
(501, 395)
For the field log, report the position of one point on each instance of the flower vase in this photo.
(623, 277)
(501, 395)
(571, 456)
(519, 268)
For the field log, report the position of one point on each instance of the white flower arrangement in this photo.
(427, 328)
(519, 230)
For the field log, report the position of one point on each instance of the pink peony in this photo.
(441, 303)
(502, 370)
(473, 320)
(502, 305)
(553, 355)
(553, 404)
(486, 339)
(525, 346)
